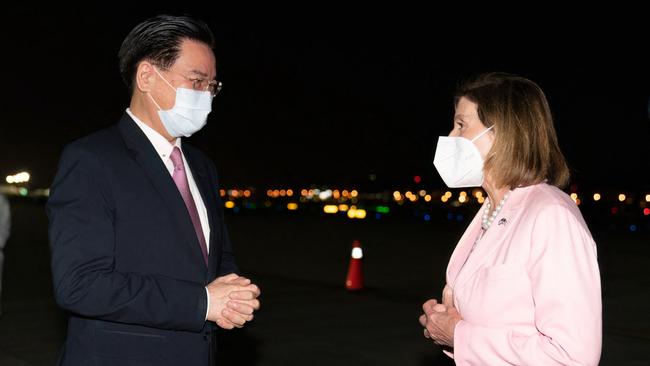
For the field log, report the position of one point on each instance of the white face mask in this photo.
(189, 113)
(459, 162)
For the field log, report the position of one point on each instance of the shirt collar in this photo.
(163, 147)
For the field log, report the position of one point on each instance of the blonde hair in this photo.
(525, 149)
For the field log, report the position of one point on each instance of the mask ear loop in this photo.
(482, 133)
(165, 80)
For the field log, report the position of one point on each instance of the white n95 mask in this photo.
(189, 113)
(459, 162)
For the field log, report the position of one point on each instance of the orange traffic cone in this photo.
(355, 274)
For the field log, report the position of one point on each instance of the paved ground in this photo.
(307, 316)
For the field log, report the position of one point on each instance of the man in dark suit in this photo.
(141, 257)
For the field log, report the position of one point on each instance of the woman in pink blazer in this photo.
(523, 285)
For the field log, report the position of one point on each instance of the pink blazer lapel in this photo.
(463, 263)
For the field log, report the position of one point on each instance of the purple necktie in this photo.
(180, 178)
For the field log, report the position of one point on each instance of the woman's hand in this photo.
(439, 319)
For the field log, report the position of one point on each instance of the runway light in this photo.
(383, 209)
(230, 204)
(597, 197)
(292, 206)
(343, 208)
(621, 197)
(397, 196)
(360, 214)
(330, 209)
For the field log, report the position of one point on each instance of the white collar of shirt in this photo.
(163, 147)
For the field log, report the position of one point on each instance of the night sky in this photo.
(331, 100)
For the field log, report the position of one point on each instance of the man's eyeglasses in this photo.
(213, 86)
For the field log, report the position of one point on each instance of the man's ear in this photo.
(145, 78)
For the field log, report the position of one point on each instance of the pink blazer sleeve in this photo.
(565, 286)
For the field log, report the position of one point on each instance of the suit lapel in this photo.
(493, 239)
(208, 190)
(145, 155)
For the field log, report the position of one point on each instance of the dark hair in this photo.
(525, 149)
(158, 41)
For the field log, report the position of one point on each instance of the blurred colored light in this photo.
(345, 193)
(417, 179)
(269, 193)
(383, 209)
(230, 204)
(354, 193)
(10, 179)
(357, 253)
(621, 197)
(481, 199)
(463, 194)
(478, 194)
(427, 217)
(292, 206)
(397, 196)
(222, 192)
(647, 197)
(427, 198)
(352, 212)
(247, 193)
(377, 216)
(633, 228)
(597, 197)
(283, 192)
(447, 194)
(574, 197)
(330, 209)
(646, 211)
(462, 199)
(336, 194)
(444, 199)
(289, 192)
(304, 192)
(23, 191)
(343, 208)
(422, 193)
(614, 210)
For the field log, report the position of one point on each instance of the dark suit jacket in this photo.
(126, 261)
